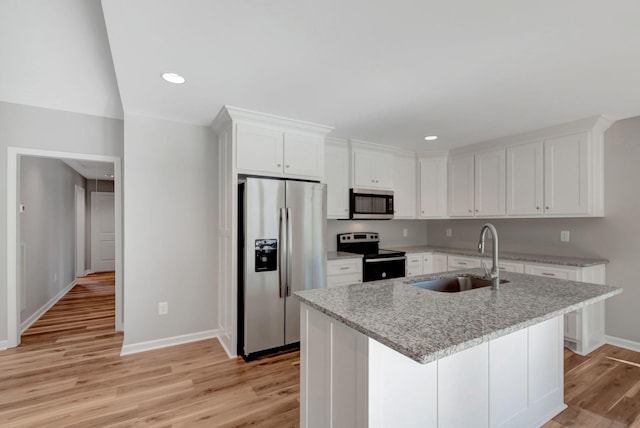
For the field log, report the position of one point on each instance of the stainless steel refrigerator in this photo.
(281, 246)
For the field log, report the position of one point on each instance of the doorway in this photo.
(14, 256)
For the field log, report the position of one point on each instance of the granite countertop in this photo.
(505, 255)
(427, 325)
(337, 255)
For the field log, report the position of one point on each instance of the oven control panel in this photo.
(356, 237)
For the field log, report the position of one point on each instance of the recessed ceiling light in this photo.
(431, 137)
(173, 78)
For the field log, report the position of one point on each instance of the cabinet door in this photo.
(490, 183)
(461, 191)
(414, 264)
(336, 176)
(460, 262)
(433, 187)
(439, 263)
(372, 169)
(525, 179)
(509, 266)
(259, 150)
(566, 165)
(303, 155)
(404, 186)
(570, 274)
(427, 263)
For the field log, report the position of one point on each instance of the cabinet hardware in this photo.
(537, 208)
(344, 268)
(469, 210)
(288, 166)
(546, 208)
(548, 274)
(462, 263)
(279, 165)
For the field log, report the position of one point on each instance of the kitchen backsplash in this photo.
(390, 231)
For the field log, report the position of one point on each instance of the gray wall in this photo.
(93, 186)
(615, 237)
(44, 129)
(170, 228)
(390, 231)
(47, 230)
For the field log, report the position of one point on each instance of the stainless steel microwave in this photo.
(365, 204)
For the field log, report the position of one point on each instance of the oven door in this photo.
(383, 268)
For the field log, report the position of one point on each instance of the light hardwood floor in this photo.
(68, 373)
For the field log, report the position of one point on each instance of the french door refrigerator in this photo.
(281, 246)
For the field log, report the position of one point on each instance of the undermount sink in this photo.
(453, 284)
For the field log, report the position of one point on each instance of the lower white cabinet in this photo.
(351, 380)
(510, 266)
(413, 265)
(439, 263)
(462, 262)
(343, 272)
(425, 263)
(584, 328)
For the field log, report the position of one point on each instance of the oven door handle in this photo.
(386, 259)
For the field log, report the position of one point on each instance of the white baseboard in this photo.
(134, 348)
(33, 318)
(224, 339)
(88, 272)
(623, 343)
(3, 344)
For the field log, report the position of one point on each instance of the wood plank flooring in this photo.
(68, 373)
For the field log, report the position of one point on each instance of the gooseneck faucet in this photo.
(494, 275)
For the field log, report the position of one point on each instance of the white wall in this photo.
(37, 128)
(390, 231)
(170, 228)
(47, 230)
(615, 237)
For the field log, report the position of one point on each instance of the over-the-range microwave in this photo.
(367, 204)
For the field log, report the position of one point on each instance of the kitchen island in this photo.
(387, 354)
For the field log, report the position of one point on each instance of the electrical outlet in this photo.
(449, 232)
(564, 236)
(163, 308)
(55, 277)
(405, 232)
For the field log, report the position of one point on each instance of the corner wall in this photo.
(170, 229)
(615, 237)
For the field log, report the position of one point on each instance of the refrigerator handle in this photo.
(283, 268)
(289, 251)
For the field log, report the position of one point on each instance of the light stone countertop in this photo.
(427, 325)
(505, 255)
(339, 255)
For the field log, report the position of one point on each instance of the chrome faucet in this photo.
(494, 275)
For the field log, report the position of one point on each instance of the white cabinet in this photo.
(584, 328)
(490, 183)
(477, 184)
(404, 186)
(344, 271)
(461, 262)
(414, 264)
(433, 187)
(336, 176)
(427, 263)
(371, 169)
(566, 165)
(266, 150)
(460, 185)
(439, 263)
(509, 266)
(525, 179)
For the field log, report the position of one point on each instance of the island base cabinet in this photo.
(350, 380)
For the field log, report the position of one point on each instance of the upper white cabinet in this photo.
(566, 166)
(433, 187)
(273, 151)
(477, 184)
(371, 168)
(336, 176)
(525, 179)
(404, 185)
(461, 193)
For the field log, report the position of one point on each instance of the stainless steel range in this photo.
(377, 263)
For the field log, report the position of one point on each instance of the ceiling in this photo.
(379, 71)
(92, 170)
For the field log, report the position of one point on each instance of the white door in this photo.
(461, 191)
(433, 187)
(80, 225)
(303, 155)
(525, 179)
(103, 241)
(566, 164)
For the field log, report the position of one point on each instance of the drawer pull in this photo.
(548, 274)
(345, 267)
(462, 263)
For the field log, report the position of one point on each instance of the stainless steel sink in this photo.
(453, 284)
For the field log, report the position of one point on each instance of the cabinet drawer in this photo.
(552, 272)
(340, 267)
(455, 262)
(510, 266)
(340, 280)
